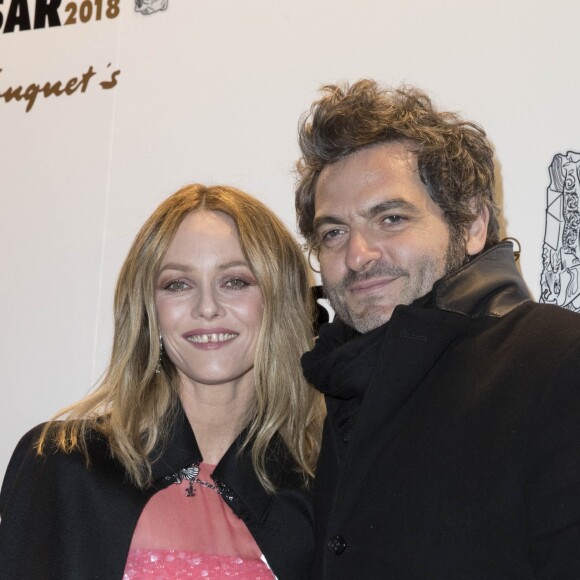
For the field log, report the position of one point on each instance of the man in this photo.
(452, 443)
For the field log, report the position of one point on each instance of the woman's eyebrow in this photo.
(233, 264)
(175, 266)
(187, 268)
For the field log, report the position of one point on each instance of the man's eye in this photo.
(175, 286)
(393, 219)
(331, 235)
(236, 284)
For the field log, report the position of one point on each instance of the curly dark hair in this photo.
(454, 157)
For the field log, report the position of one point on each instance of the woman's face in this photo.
(209, 305)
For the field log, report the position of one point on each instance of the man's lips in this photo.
(210, 335)
(370, 285)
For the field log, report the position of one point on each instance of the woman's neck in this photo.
(217, 414)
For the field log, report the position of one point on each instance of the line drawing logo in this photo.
(560, 278)
(150, 6)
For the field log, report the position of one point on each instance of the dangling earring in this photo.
(158, 369)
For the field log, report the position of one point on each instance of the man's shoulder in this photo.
(549, 318)
(545, 336)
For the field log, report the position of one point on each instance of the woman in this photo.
(193, 456)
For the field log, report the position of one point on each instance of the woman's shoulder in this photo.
(26, 448)
(42, 448)
(24, 461)
(53, 464)
(55, 437)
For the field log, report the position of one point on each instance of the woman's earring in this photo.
(158, 369)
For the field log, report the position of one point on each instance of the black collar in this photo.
(235, 469)
(179, 450)
(488, 285)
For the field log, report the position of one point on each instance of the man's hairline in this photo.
(381, 143)
(413, 148)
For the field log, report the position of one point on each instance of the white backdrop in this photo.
(211, 91)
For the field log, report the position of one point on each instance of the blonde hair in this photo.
(133, 406)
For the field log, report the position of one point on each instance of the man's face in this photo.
(383, 240)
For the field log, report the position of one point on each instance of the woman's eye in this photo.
(176, 286)
(236, 284)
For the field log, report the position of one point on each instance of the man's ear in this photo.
(476, 233)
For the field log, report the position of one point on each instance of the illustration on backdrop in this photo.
(560, 278)
(150, 6)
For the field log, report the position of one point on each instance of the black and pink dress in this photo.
(62, 520)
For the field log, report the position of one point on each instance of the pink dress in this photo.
(193, 537)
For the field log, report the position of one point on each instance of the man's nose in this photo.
(361, 252)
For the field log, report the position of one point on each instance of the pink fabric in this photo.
(192, 537)
(169, 564)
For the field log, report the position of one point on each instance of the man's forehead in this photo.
(367, 159)
(377, 165)
(367, 178)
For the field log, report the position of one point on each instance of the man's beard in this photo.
(373, 314)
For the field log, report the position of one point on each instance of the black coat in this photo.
(61, 521)
(452, 444)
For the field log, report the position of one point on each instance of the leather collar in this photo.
(488, 285)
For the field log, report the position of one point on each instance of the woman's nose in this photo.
(208, 304)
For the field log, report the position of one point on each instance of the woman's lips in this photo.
(210, 338)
